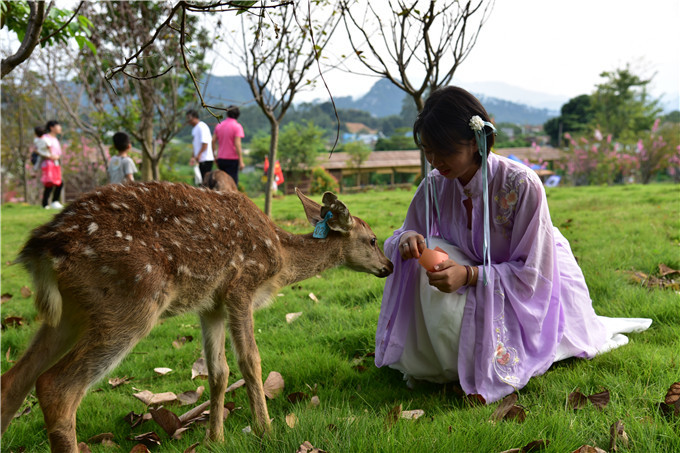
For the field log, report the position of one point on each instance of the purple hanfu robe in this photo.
(535, 299)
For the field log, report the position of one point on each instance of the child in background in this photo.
(121, 167)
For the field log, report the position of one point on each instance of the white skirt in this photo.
(431, 348)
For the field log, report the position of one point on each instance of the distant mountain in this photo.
(383, 99)
(502, 90)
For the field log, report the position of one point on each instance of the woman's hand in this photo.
(411, 245)
(448, 276)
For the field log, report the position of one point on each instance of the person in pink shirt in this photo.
(227, 140)
(51, 168)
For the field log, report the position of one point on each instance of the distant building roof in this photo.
(376, 160)
(546, 153)
(356, 128)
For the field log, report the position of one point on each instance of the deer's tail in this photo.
(48, 300)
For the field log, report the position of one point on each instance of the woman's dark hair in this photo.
(39, 131)
(50, 124)
(233, 112)
(445, 120)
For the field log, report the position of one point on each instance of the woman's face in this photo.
(56, 129)
(456, 162)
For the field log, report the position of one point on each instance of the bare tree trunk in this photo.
(22, 154)
(146, 133)
(273, 145)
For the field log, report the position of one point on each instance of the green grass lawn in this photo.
(612, 230)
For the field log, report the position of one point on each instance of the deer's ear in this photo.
(341, 221)
(312, 208)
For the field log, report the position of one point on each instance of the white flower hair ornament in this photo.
(477, 125)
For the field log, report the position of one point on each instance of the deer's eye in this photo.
(372, 241)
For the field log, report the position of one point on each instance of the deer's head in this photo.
(360, 246)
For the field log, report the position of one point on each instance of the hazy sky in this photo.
(559, 47)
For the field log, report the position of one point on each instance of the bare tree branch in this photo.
(36, 19)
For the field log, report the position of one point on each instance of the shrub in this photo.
(322, 181)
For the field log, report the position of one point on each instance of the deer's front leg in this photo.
(212, 325)
(243, 338)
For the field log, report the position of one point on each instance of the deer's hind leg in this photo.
(49, 344)
(213, 325)
(111, 333)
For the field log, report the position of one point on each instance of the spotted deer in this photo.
(116, 260)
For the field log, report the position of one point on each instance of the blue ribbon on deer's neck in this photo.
(321, 229)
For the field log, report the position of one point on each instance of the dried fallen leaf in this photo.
(192, 448)
(475, 399)
(140, 448)
(290, 317)
(191, 415)
(291, 420)
(235, 385)
(516, 413)
(665, 270)
(412, 414)
(83, 448)
(199, 369)
(600, 400)
(616, 432)
(190, 397)
(273, 385)
(135, 420)
(247, 429)
(178, 434)
(162, 370)
(588, 449)
(167, 420)
(5, 297)
(180, 341)
(673, 394)
(296, 397)
(314, 402)
(504, 407)
(116, 382)
(7, 356)
(13, 321)
(99, 438)
(577, 400)
(151, 399)
(536, 445)
(313, 297)
(26, 292)
(307, 447)
(149, 439)
(392, 416)
(27, 410)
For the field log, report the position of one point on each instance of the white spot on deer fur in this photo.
(114, 205)
(57, 260)
(148, 268)
(95, 207)
(241, 257)
(92, 228)
(158, 210)
(254, 247)
(261, 266)
(126, 248)
(176, 220)
(215, 224)
(142, 217)
(89, 252)
(70, 213)
(156, 234)
(128, 237)
(176, 244)
(119, 234)
(278, 239)
(137, 278)
(99, 193)
(267, 242)
(125, 206)
(232, 222)
(239, 234)
(169, 257)
(182, 269)
(189, 220)
(108, 270)
(72, 228)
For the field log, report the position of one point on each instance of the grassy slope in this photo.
(611, 229)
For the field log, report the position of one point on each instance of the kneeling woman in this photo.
(511, 299)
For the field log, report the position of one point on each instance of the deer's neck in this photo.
(306, 256)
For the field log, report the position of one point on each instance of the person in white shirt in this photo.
(121, 167)
(202, 142)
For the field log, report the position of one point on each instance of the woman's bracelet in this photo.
(470, 273)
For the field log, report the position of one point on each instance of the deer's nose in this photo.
(386, 270)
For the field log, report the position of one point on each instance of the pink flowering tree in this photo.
(656, 153)
(593, 160)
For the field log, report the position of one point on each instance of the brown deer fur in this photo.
(113, 262)
(220, 180)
